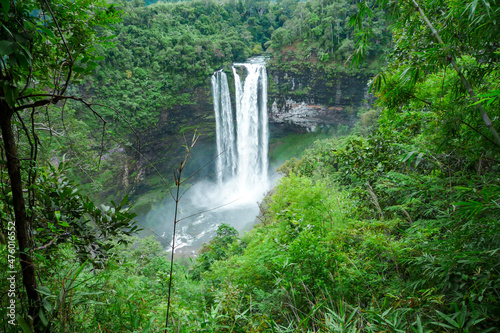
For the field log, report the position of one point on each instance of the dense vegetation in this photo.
(155, 80)
(391, 228)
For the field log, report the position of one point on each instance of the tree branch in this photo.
(54, 100)
(70, 71)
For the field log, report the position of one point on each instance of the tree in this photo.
(432, 35)
(45, 46)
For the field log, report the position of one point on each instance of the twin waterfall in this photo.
(242, 164)
(242, 136)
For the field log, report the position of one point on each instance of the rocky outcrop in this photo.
(304, 100)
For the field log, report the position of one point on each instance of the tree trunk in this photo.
(23, 236)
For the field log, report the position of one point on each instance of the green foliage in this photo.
(317, 33)
(396, 230)
(38, 51)
(224, 244)
(165, 50)
(427, 49)
(418, 252)
(64, 215)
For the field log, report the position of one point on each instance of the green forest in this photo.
(390, 225)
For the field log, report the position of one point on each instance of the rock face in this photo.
(304, 100)
(162, 146)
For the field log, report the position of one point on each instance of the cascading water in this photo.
(226, 161)
(252, 129)
(241, 166)
(247, 169)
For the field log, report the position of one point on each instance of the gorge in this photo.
(242, 167)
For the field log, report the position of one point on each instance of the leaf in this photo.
(47, 31)
(79, 69)
(420, 328)
(493, 93)
(408, 156)
(42, 317)
(23, 61)
(419, 159)
(11, 94)
(44, 291)
(448, 319)
(63, 224)
(472, 6)
(124, 201)
(27, 53)
(148, 325)
(442, 325)
(47, 305)
(24, 325)
(5, 5)
(7, 47)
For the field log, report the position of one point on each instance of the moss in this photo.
(145, 202)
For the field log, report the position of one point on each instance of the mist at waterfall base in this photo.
(241, 172)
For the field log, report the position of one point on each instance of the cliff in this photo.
(307, 99)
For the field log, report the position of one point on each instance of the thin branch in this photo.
(33, 148)
(123, 118)
(48, 118)
(57, 78)
(71, 143)
(442, 86)
(43, 247)
(70, 71)
(177, 181)
(54, 100)
(205, 165)
(102, 145)
(29, 75)
(177, 178)
(477, 131)
(48, 129)
(147, 162)
(34, 157)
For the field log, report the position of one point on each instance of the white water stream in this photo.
(242, 165)
(241, 175)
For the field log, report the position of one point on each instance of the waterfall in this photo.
(226, 161)
(242, 136)
(242, 163)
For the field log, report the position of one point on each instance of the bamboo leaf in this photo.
(24, 325)
(448, 319)
(42, 317)
(419, 159)
(44, 290)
